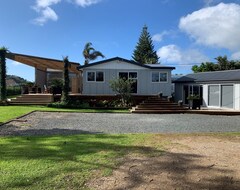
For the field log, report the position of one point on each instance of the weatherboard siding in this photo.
(145, 85)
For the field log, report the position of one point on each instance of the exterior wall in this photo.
(145, 85)
(178, 92)
(40, 78)
(237, 96)
(205, 95)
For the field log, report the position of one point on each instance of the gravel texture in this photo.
(53, 123)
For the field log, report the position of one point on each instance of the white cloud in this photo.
(46, 3)
(159, 37)
(46, 14)
(173, 54)
(86, 3)
(43, 8)
(208, 3)
(170, 54)
(217, 26)
(235, 56)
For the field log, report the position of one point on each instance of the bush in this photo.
(70, 104)
(13, 90)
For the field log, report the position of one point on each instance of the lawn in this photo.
(62, 162)
(10, 112)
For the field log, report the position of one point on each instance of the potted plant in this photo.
(194, 101)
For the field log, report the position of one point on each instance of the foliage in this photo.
(90, 54)
(193, 97)
(17, 79)
(222, 64)
(144, 51)
(123, 87)
(65, 94)
(3, 91)
(56, 86)
(69, 104)
(13, 90)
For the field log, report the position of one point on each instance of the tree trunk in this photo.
(3, 90)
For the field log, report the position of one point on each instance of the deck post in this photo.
(3, 90)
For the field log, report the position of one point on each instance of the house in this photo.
(94, 78)
(218, 89)
(149, 79)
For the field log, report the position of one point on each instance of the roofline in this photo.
(31, 56)
(125, 60)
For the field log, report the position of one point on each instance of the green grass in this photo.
(62, 162)
(10, 112)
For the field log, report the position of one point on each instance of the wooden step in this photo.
(159, 111)
(32, 99)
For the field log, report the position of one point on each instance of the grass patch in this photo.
(10, 112)
(62, 162)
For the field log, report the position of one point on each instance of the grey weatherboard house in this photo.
(149, 79)
(218, 89)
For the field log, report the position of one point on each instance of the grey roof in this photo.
(229, 75)
(149, 66)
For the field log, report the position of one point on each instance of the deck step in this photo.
(32, 99)
(158, 105)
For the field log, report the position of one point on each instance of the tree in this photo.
(123, 87)
(90, 53)
(65, 94)
(144, 52)
(222, 64)
(3, 90)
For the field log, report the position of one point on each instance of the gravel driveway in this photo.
(51, 123)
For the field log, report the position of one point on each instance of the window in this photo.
(155, 77)
(90, 76)
(132, 76)
(99, 76)
(213, 95)
(159, 77)
(123, 75)
(163, 77)
(93, 76)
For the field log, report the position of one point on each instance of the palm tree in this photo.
(90, 53)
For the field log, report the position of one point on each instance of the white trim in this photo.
(95, 77)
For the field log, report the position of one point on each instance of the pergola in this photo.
(41, 65)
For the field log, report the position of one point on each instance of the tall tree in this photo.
(65, 94)
(90, 53)
(3, 91)
(144, 52)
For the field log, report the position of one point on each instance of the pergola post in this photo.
(3, 90)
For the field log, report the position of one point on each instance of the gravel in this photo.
(53, 123)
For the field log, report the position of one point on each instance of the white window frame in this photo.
(220, 95)
(159, 79)
(95, 77)
(128, 74)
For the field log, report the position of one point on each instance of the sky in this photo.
(184, 33)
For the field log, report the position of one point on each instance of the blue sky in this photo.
(184, 32)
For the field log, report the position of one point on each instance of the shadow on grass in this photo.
(69, 160)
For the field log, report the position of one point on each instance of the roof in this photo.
(149, 66)
(41, 63)
(228, 75)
